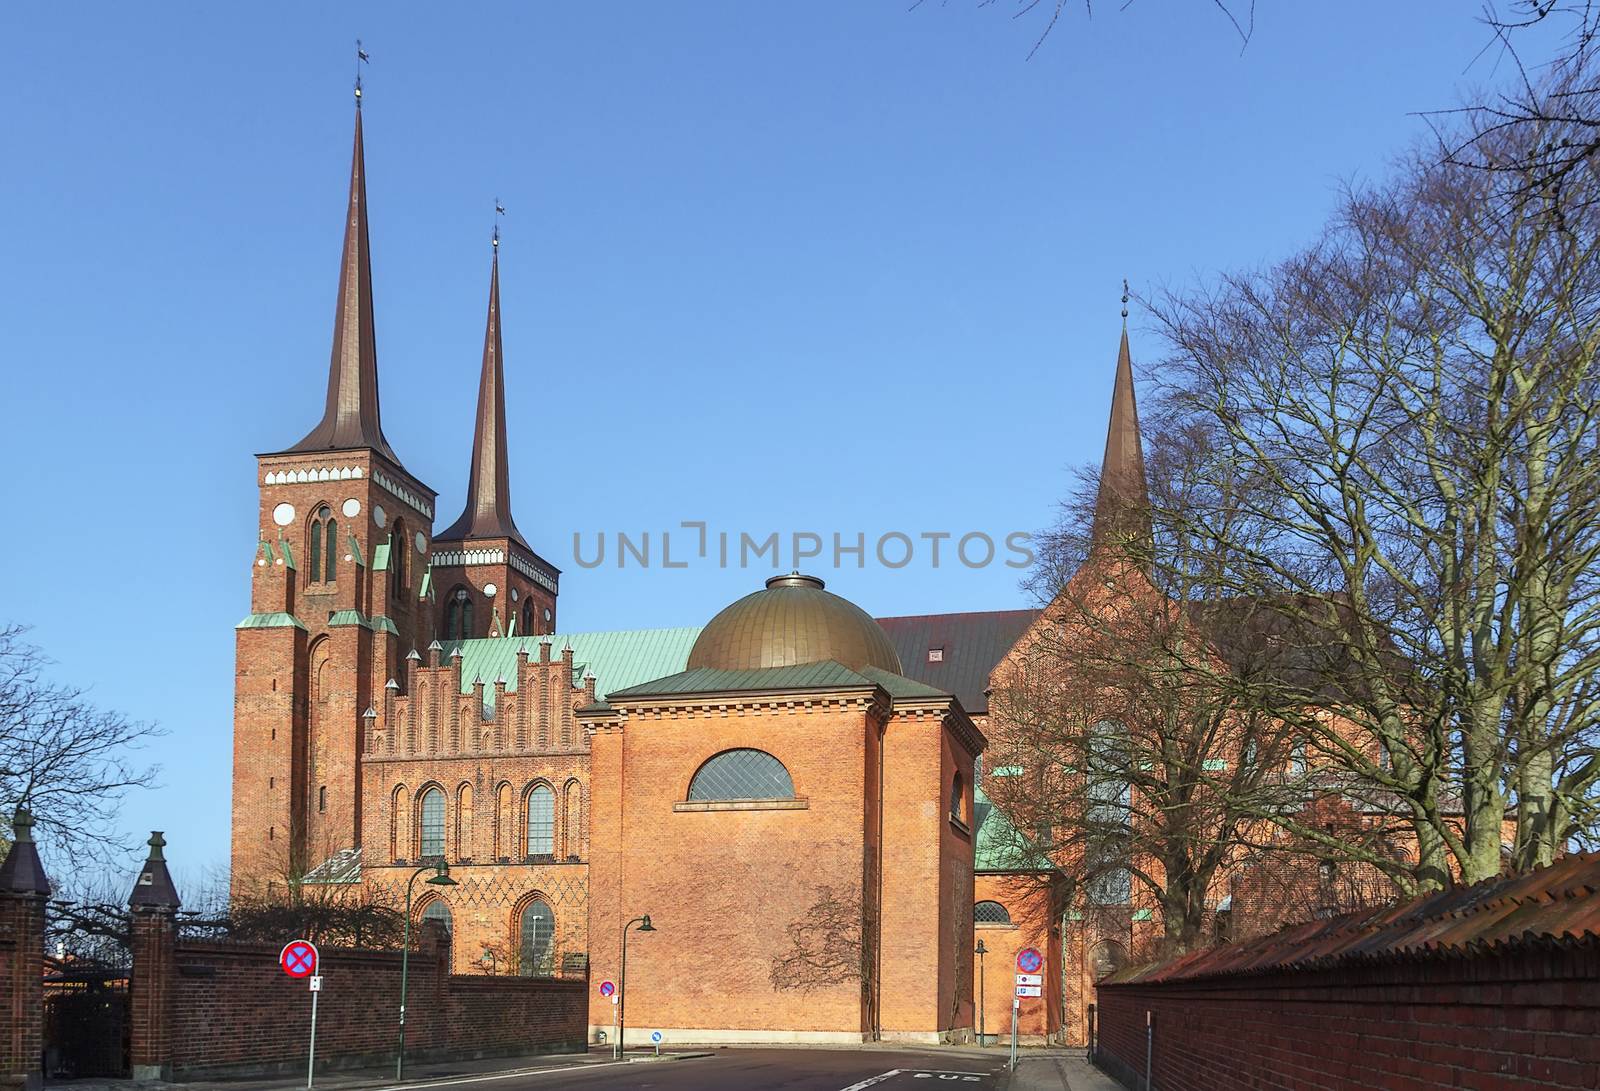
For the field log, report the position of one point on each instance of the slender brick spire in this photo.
(488, 510)
(351, 417)
(1122, 508)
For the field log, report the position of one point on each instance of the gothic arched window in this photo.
(1108, 814)
(319, 537)
(529, 618)
(958, 799)
(432, 823)
(541, 821)
(458, 615)
(438, 911)
(536, 941)
(741, 774)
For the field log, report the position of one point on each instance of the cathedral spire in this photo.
(488, 510)
(350, 419)
(1122, 508)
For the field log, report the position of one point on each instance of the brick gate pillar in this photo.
(23, 890)
(154, 902)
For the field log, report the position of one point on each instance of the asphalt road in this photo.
(754, 1070)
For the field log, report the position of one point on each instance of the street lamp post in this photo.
(441, 877)
(622, 980)
(982, 950)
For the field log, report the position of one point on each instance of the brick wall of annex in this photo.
(1033, 924)
(1520, 1021)
(233, 1010)
(721, 885)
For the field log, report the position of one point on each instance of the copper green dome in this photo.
(793, 621)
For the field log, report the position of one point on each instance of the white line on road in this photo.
(889, 1075)
(456, 1080)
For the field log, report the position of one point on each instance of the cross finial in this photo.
(499, 210)
(1124, 300)
(361, 59)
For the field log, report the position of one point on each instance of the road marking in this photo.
(889, 1075)
(409, 1086)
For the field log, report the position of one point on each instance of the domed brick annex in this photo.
(792, 792)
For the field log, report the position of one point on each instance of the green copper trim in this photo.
(384, 625)
(355, 551)
(288, 554)
(426, 586)
(349, 617)
(380, 557)
(271, 621)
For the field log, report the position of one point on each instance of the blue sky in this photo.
(838, 267)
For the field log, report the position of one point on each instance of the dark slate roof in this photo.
(1550, 906)
(973, 643)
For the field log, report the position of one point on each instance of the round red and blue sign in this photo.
(607, 988)
(1029, 960)
(298, 958)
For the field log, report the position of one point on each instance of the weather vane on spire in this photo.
(1124, 299)
(499, 210)
(361, 59)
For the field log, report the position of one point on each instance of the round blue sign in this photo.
(655, 1036)
(1029, 960)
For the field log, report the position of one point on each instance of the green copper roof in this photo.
(616, 659)
(653, 660)
(270, 621)
(349, 617)
(805, 676)
(902, 688)
(1000, 846)
(380, 557)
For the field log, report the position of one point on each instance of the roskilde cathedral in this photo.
(405, 696)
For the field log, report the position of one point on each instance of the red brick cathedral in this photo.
(790, 792)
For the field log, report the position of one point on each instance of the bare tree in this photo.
(69, 761)
(1240, 15)
(1414, 401)
(1144, 763)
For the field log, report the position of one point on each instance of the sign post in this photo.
(1015, 1005)
(1030, 983)
(311, 1059)
(299, 959)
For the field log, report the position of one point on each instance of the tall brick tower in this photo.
(489, 581)
(337, 600)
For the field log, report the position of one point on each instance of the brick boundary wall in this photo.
(1519, 1020)
(230, 1010)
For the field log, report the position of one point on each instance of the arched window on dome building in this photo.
(958, 798)
(741, 774)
